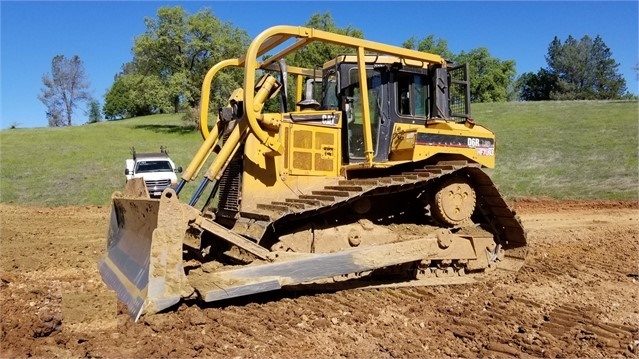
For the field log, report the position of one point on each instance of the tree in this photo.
(317, 53)
(134, 95)
(577, 70)
(536, 86)
(64, 89)
(179, 49)
(54, 117)
(490, 78)
(94, 113)
(170, 61)
(431, 45)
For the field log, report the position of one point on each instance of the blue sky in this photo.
(102, 34)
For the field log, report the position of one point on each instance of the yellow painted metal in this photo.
(226, 153)
(267, 87)
(266, 128)
(378, 59)
(368, 45)
(299, 83)
(268, 40)
(261, 181)
(249, 83)
(266, 179)
(366, 114)
(272, 37)
(237, 95)
(201, 156)
(404, 145)
(270, 43)
(292, 70)
(313, 150)
(282, 54)
(143, 260)
(270, 170)
(206, 91)
(210, 137)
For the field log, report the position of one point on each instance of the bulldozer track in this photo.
(501, 220)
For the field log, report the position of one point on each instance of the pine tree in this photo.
(577, 70)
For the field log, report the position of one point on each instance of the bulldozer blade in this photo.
(143, 261)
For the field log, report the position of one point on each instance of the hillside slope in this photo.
(585, 150)
(565, 150)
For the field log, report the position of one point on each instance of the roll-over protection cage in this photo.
(264, 128)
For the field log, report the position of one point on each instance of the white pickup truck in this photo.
(157, 170)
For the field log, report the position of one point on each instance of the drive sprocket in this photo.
(454, 202)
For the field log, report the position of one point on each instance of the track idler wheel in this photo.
(454, 202)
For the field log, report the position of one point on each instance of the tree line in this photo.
(176, 50)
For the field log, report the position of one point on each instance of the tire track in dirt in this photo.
(572, 298)
(568, 321)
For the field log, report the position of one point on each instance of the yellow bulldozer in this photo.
(375, 176)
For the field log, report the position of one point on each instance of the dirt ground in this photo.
(576, 296)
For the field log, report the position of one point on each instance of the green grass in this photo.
(84, 164)
(579, 150)
(565, 150)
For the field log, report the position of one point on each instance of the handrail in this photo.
(206, 92)
(210, 139)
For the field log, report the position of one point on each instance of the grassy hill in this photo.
(579, 150)
(84, 164)
(562, 150)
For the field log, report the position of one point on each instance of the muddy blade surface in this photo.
(126, 266)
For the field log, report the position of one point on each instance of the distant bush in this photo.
(191, 117)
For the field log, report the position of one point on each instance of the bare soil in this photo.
(576, 296)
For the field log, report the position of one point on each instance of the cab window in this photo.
(329, 100)
(153, 166)
(354, 110)
(412, 95)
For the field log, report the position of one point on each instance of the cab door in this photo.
(377, 80)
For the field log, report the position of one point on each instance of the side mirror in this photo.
(179, 170)
(126, 172)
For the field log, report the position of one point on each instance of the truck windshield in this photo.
(153, 166)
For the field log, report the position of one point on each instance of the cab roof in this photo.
(376, 59)
(151, 156)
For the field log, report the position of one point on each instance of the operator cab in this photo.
(399, 91)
